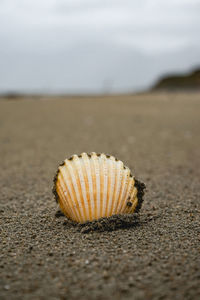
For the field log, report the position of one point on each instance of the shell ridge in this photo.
(117, 187)
(123, 189)
(128, 193)
(124, 199)
(113, 180)
(81, 186)
(122, 180)
(133, 197)
(88, 182)
(94, 184)
(100, 161)
(66, 175)
(76, 190)
(105, 183)
(109, 174)
(102, 187)
(64, 205)
(133, 200)
(97, 173)
(60, 193)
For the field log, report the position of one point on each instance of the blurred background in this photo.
(95, 46)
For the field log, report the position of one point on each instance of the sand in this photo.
(44, 256)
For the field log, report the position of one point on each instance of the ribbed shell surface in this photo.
(91, 186)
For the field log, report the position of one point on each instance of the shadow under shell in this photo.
(112, 223)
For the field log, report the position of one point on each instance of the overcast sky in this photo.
(79, 46)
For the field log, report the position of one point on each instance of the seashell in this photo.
(91, 186)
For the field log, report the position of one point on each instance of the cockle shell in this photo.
(91, 186)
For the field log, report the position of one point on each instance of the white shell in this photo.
(92, 186)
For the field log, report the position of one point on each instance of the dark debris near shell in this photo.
(140, 186)
(59, 214)
(54, 186)
(105, 224)
(55, 180)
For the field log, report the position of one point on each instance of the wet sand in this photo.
(43, 256)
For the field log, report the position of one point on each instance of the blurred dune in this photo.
(189, 81)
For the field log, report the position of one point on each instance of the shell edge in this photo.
(54, 182)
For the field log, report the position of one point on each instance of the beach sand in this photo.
(44, 256)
